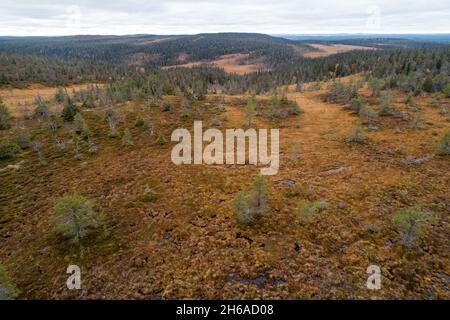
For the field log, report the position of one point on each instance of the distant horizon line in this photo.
(229, 32)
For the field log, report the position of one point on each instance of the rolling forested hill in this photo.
(235, 62)
(164, 50)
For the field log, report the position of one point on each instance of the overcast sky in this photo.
(66, 17)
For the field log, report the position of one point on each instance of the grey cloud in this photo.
(28, 17)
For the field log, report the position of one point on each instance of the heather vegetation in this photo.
(410, 224)
(366, 130)
(8, 291)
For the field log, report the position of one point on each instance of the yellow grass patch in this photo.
(230, 63)
(328, 50)
(154, 40)
(16, 99)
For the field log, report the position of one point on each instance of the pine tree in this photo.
(75, 217)
(41, 110)
(126, 138)
(81, 127)
(443, 146)
(366, 114)
(70, 110)
(22, 138)
(249, 111)
(112, 117)
(375, 85)
(5, 116)
(385, 104)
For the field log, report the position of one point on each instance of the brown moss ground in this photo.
(187, 243)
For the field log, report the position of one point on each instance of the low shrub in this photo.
(53, 122)
(306, 210)
(140, 123)
(443, 146)
(375, 85)
(127, 140)
(249, 206)
(356, 135)
(291, 107)
(216, 122)
(446, 90)
(411, 224)
(436, 101)
(23, 138)
(5, 116)
(8, 291)
(417, 121)
(295, 156)
(41, 110)
(112, 116)
(385, 104)
(220, 108)
(314, 87)
(80, 126)
(161, 139)
(149, 195)
(60, 144)
(409, 101)
(8, 149)
(356, 104)
(60, 95)
(366, 114)
(166, 106)
(37, 147)
(277, 108)
(77, 150)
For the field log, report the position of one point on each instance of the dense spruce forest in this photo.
(390, 43)
(70, 60)
(164, 51)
